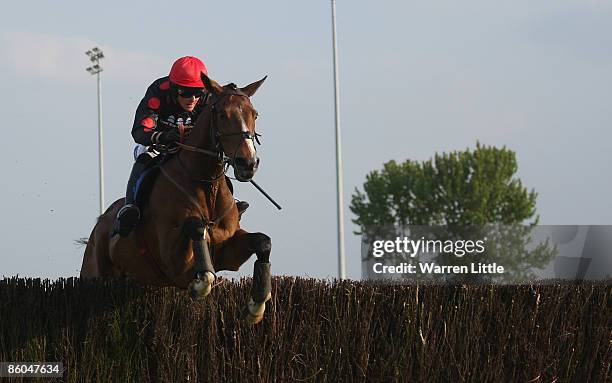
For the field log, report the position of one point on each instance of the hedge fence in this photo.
(314, 331)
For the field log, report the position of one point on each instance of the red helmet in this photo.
(186, 72)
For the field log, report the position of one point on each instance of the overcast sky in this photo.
(417, 78)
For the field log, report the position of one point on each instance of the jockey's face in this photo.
(189, 99)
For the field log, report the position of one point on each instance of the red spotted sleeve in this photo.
(147, 113)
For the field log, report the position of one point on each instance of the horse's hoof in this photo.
(253, 312)
(200, 288)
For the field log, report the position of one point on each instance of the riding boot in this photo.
(129, 215)
(242, 206)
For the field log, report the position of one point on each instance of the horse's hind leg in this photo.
(238, 250)
(89, 268)
(96, 260)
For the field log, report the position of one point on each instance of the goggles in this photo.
(190, 92)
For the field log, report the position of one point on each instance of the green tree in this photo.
(462, 193)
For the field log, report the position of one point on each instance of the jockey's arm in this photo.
(144, 129)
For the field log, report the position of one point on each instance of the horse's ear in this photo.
(211, 85)
(250, 89)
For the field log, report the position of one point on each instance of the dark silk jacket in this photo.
(159, 111)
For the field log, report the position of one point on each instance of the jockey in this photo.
(170, 101)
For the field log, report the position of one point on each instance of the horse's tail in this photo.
(81, 241)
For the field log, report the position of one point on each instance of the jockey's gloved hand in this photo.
(188, 129)
(169, 136)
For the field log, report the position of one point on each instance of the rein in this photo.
(199, 150)
(195, 202)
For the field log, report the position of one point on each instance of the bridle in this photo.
(216, 136)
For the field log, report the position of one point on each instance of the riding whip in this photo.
(266, 194)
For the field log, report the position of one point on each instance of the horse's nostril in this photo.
(245, 163)
(241, 162)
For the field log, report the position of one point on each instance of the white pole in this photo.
(100, 147)
(340, 200)
(95, 55)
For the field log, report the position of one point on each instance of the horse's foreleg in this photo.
(204, 272)
(261, 291)
(262, 278)
(234, 253)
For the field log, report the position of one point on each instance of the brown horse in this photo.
(190, 227)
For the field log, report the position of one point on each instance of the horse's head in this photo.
(233, 125)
